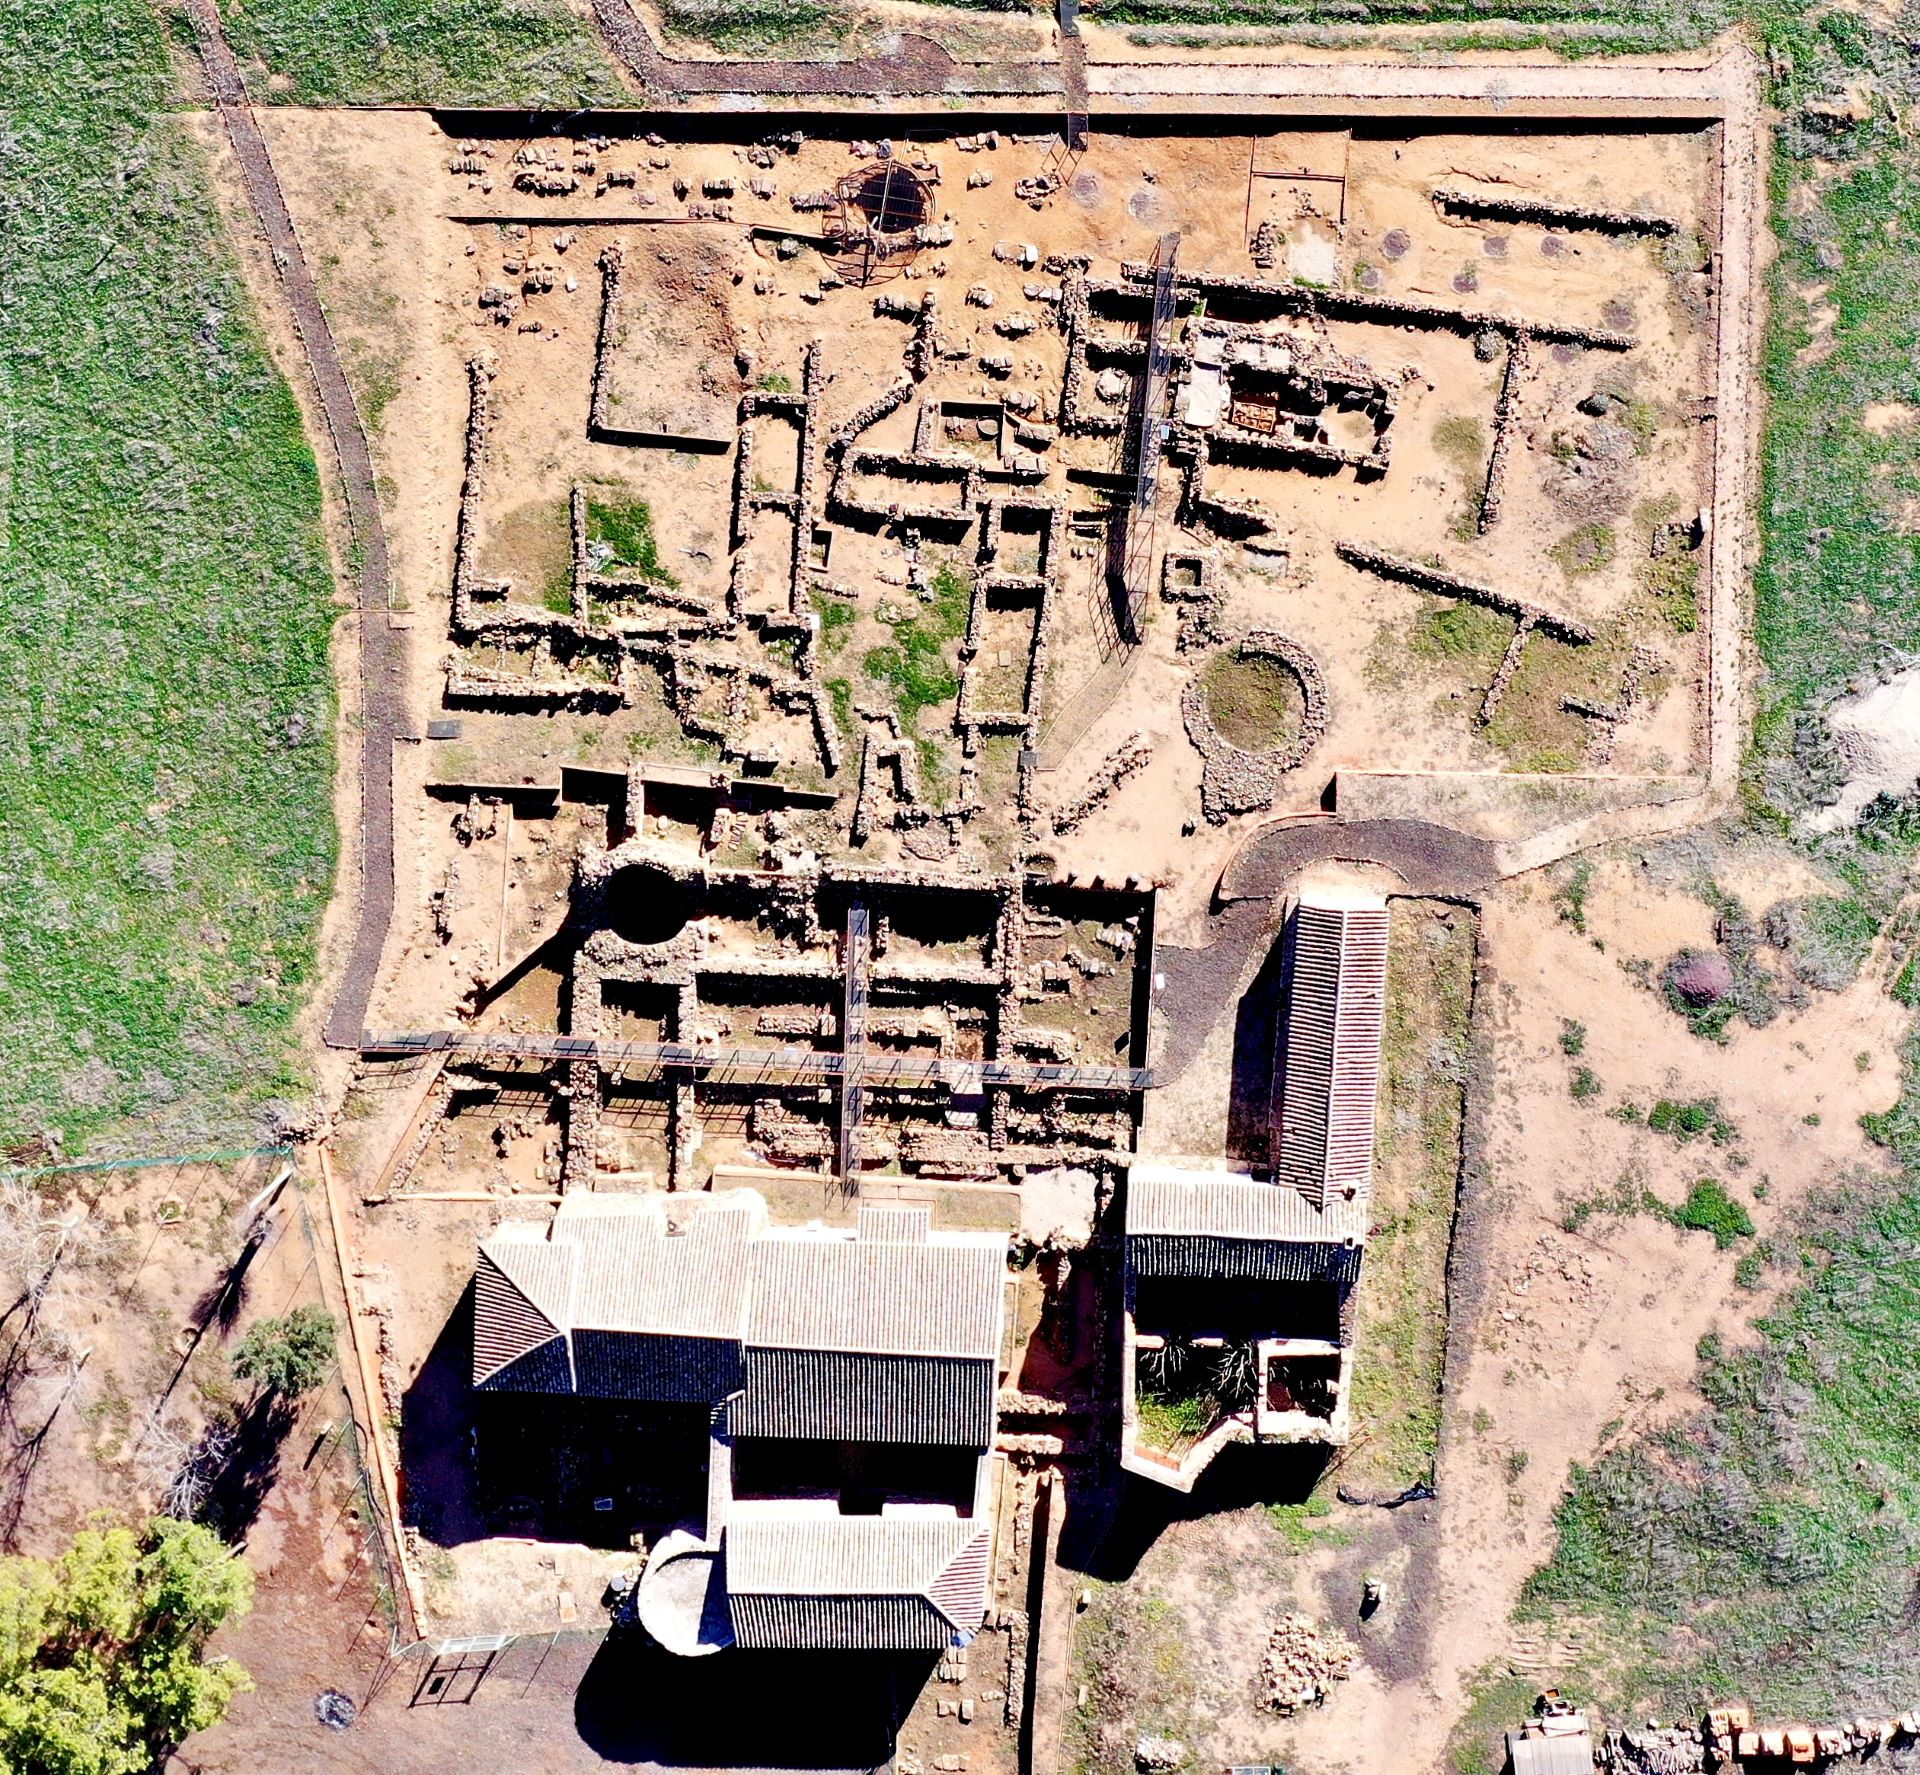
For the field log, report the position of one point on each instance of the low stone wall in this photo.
(1455, 202)
(1234, 780)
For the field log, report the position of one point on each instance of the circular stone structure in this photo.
(1236, 779)
(683, 1596)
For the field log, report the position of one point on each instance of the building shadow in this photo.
(817, 1711)
(437, 1437)
(1256, 1027)
(546, 1466)
(1107, 1532)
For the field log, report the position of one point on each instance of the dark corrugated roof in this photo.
(1242, 1260)
(667, 1370)
(838, 1623)
(845, 1396)
(543, 1369)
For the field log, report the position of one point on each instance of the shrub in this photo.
(1709, 1209)
(290, 1355)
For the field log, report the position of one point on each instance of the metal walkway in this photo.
(1145, 432)
(770, 1066)
(857, 959)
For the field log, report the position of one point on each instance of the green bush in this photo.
(1709, 1209)
(291, 1355)
(1689, 1120)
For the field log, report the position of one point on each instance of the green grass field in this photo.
(533, 53)
(167, 713)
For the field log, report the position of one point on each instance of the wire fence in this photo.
(337, 1457)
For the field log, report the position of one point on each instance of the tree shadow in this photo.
(816, 1711)
(252, 1467)
(218, 1307)
(20, 1452)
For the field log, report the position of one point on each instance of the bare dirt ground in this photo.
(372, 197)
(1577, 1313)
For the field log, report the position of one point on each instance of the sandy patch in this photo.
(1879, 738)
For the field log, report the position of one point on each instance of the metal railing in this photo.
(906, 1072)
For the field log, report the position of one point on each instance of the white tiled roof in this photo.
(824, 1291)
(1166, 1201)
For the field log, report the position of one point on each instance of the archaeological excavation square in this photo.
(949, 658)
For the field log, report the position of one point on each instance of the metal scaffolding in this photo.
(1131, 577)
(769, 1066)
(853, 1041)
(1065, 154)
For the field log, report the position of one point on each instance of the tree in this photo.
(290, 1355)
(103, 1665)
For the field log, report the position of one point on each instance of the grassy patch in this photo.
(1709, 1209)
(1532, 727)
(1306, 1524)
(523, 53)
(1586, 550)
(840, 691)
(626, 527)
(1671, 583)
(750, 27)
(1174, 1424)
(1182, 1390)
(1132, 1655)
(1784, 1517)
(168, 841)
(1256, 703)
(836, 623)
(1400, 1335)
(1570, 890)
(1464, 635)
(919, 666)
(1460, 440)
(1501, 1699)
(1604, 26)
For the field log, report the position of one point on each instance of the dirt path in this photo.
(381, 667)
